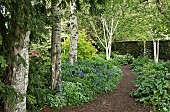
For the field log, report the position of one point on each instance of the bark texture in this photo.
(56, 49)
(74, 34)
(18, 73)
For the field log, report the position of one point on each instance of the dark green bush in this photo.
(153, 84)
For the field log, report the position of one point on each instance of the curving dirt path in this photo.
(117, 101)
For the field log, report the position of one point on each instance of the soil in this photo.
(117, 101)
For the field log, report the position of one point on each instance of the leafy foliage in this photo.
(120, 59)
(82, 81)
(94, 74)
(85, 48)
(123, 59)
(153, 84)
(39, 79)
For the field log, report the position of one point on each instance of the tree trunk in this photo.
(156, 50)
(56, 49)
(110, 51)
(109, 48)
(74, 35)
(144, 48)
(18, 71)
(107, 53)
(157, 53)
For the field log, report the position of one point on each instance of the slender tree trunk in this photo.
(107, 53)
(110, 51)
(109, 48)
(157, 55)
(74, 34)
(18, 71)
(56, 49)
(144, 48)
(156, 50)
(111, 35)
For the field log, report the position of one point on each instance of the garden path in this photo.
(117, 101)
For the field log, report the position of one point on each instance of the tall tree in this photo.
(156, 18)
(19, 18)
(108, 32)
(56, 46)
(15, 49)
(74, 34)
(109, 19)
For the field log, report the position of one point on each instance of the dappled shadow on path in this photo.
(117, 101)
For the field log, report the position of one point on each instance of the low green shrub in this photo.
(72, 94)
(57, 100)
(153, 82)
(98, 74)
(140, 61)
(123, 59)
(75, 93)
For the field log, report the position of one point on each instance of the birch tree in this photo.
(154, 16)
(156, 50)
(74, 34)
(157, 25)
(56, 47)
(109, 26)
(108, 32)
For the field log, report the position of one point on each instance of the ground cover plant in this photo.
(79, 82)
(153, 82)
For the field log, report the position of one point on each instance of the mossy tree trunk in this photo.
(17, 74)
